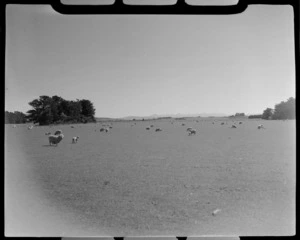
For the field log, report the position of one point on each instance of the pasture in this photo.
(133, 181)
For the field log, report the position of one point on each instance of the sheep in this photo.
(158, 129)
(182, 124)
(48, 133)
(240, 122)
(260, 126)
(75, 139)
(188, 129)
(72, 127)
(30, 127)
(233, 126)
(104, 129)
(58, 132)
(192, 131)
(222, 123)
(14, 126)
(147, 128)
(55, 139)
(151, 125)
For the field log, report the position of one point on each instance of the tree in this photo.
(41, 113)
(255, 116)
(48, 110)
(267, 114)
(285, 110)
(15, 117)
(87, 108)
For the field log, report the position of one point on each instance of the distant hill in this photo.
(178, 115)
(99, 119)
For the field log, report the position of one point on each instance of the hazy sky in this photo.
(142, 65)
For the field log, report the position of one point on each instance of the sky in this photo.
(139, 65)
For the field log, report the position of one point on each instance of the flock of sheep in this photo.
(106, 128)
(56, 138)
(156, 130)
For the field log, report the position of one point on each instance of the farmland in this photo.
(133, 181)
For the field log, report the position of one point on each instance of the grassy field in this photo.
(133, 181)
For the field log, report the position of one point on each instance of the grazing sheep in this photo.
(72, 127)
(182, 124)
(192, 131)
(75, 139)
(104, 129)
(110, 127)
(222, 123)
(147, 128)
(240, 122)
(233, 126)
(48, 133)
(151, 125)
(158, 129)
(260, 126)
(189, 129)
(55, 139)
(30, 127)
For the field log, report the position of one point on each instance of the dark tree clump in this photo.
(267, 114)
(15, 117)
(54, 110)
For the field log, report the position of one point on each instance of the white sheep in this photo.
(75, 139)
(30, 127)
(55, 139)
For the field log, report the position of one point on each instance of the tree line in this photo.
(238, 115)
(15, 117)
(282, 111)
(54, 110)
